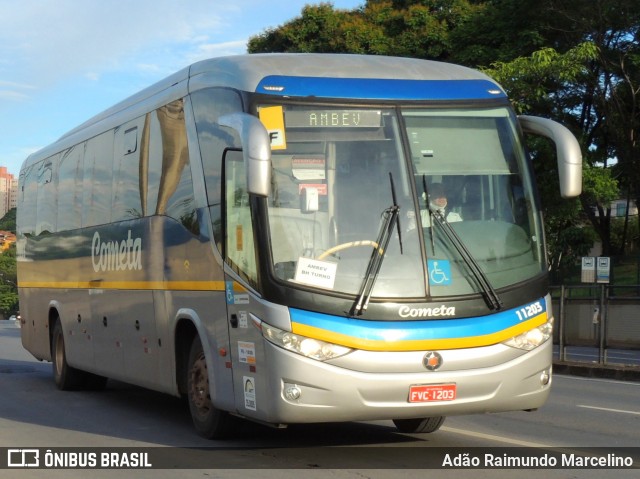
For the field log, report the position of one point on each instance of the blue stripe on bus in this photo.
(417, 330)
(380, 89)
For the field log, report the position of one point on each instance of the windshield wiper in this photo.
(390, 219)
(426, 198)
(490, 295)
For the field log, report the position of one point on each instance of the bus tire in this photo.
(419, 425)
(65, 376)
(208, 421)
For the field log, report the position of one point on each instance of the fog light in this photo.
(292, 392)
(545, 377)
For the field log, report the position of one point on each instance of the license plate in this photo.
(432, 392)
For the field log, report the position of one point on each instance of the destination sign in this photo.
(333, 119)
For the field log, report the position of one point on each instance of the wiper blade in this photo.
(426, 198)
(397, 207)
(491, 296)
(390, 219)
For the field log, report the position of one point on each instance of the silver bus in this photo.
(265, 234)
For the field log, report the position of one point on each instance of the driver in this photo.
(438, 205)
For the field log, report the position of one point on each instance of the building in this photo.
(619, 208)
(8, 191)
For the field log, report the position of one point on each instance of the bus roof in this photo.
(297, 75)
(246, 72)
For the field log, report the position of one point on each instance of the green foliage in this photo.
(498, 31)
(566, 246)
(8, 221)
(8, 265)
(320, 28)
(8, 270)
(534, 79)
(600, 188)
(8, 303)
(618, 234)
(382, 27)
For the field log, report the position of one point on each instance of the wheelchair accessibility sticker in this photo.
(232, 296)
(439, 272)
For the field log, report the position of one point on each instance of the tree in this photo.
(499, 31)
(8, 282)
(382, 27)
(535, 82)
(606, 104)
(577, 61)
(8, 269)
(320, 28)
(8, 221)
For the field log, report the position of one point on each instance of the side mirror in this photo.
(256, 150)
(567, 149)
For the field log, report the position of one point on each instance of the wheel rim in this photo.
(199, 386)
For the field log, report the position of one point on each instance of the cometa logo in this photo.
(116, 255)
(438, 311)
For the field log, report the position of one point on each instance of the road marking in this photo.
(609, 409)
(491, 437)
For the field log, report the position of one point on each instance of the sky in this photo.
(64, 61)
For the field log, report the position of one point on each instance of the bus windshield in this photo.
(339, 172)
(469, 167)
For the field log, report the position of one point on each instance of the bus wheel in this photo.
(65, 376)
(208, 421)
(425, 424)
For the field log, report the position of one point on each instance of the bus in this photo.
(257, 233)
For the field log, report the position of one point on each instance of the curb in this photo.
(622, 373)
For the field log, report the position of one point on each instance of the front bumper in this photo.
(329, 393)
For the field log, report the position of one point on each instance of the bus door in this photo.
(245, 340)
(245, 346)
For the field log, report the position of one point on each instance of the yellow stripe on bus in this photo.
(135, 285)
(419, 344)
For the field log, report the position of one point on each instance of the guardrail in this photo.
(597, 323)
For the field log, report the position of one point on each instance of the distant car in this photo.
(12, 317)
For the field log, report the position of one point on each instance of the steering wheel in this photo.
(351, 244)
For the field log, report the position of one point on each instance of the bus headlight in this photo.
(309, 347)
(533, 338)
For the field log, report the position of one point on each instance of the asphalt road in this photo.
(581, 413)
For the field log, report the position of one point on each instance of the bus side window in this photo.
(168, 188)
(27, 202)
(70, 188)
(208, 106)
(46, 202)
(126, 172)
(97, 180)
